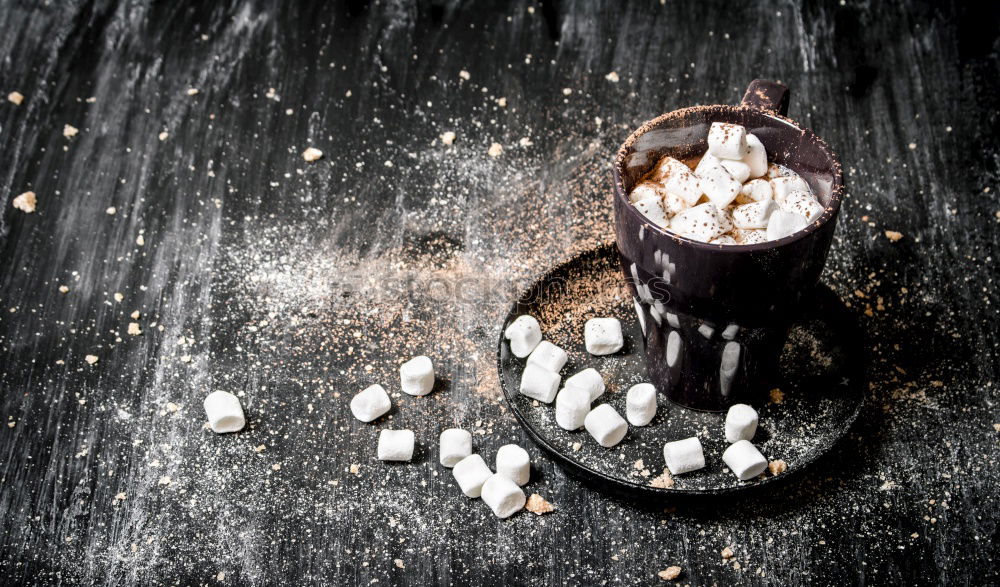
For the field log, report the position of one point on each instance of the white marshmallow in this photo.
(370, 403)
(644, 190)
(395, 445)
(727, 141)
(572, 407)
(539, 383)
(723, 240)
(549, 356)
(678, 179)
(782, 224)
(756, 157)
(225, 414)
(802, 203)
(673, 204)
(470, 473)
(456, 444)
(603, 336)
(605, 425)
(753, 215)
(782, 186)
(653, 211)
(589, 380)
(684, 456)
(706, 330)
(640, 404)
(503, 496)
(750, 236)
(741, 423)
(755, 190)
(702, 222)
(738, 170)
(417, 376)
(744, 460)
(673, 320)
(731, 331)
(524, 335)
(777, 170)
(715, 182)
(514, 463)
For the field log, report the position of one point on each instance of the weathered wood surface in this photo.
(254, 264)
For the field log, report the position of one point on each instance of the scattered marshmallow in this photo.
(684, 456)
(572, 407)
(395, 445)
(653, 210)
(716, 182)
(589, 380)
(514, 463)
(417, 376)
(503, 496)
(744, 460)
(753, 215)
(756, 157)
(802, 203)
(456, 444)
(605, 425)
(539, 383)
(702, 222)
(524, 335)
(225, 414)
(731, 331)
(782, 224)
(603, 336)
(640, 404)
(371, 403)
(727, 141)
(741, 423)
(549, 356)
(470, 473)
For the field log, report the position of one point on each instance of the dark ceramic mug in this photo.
(716, 317)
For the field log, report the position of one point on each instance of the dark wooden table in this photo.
(295, 284)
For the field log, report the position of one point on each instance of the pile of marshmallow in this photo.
(500, 491)
(540, 380)
(603, 336)
(733, 196)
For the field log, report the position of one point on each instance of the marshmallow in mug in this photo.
(224, 412)
(524, 335)
(417, 376)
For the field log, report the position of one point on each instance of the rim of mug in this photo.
(829, 211)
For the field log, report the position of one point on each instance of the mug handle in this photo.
(767, 96)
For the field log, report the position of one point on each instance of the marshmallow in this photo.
(456, 444)
(514, 463)
(741, 423)
(503, 496)
(782, 186)
(549, 356)
(750, 236)
(395, 445)
(225, 414)
(777, 170)
(706, 330)
(524, 335)
(723, 240)
(727, 141)
(603, 336)
(756, 157)
(572, 407)
(738, 170)
(753, 215)
(702, 222)
(731, 331)
(653, 211)
(782, 224)
(678, 179)
(370, 403)
(640, 404)
(754, 191)
(417, 376)
(470, 473)
(715, 182)
(673, 204)
(744, 460)
(605, 425)
(802, 203)
(684, 456)
(539, 383)
(589, 380)
(644, 190)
